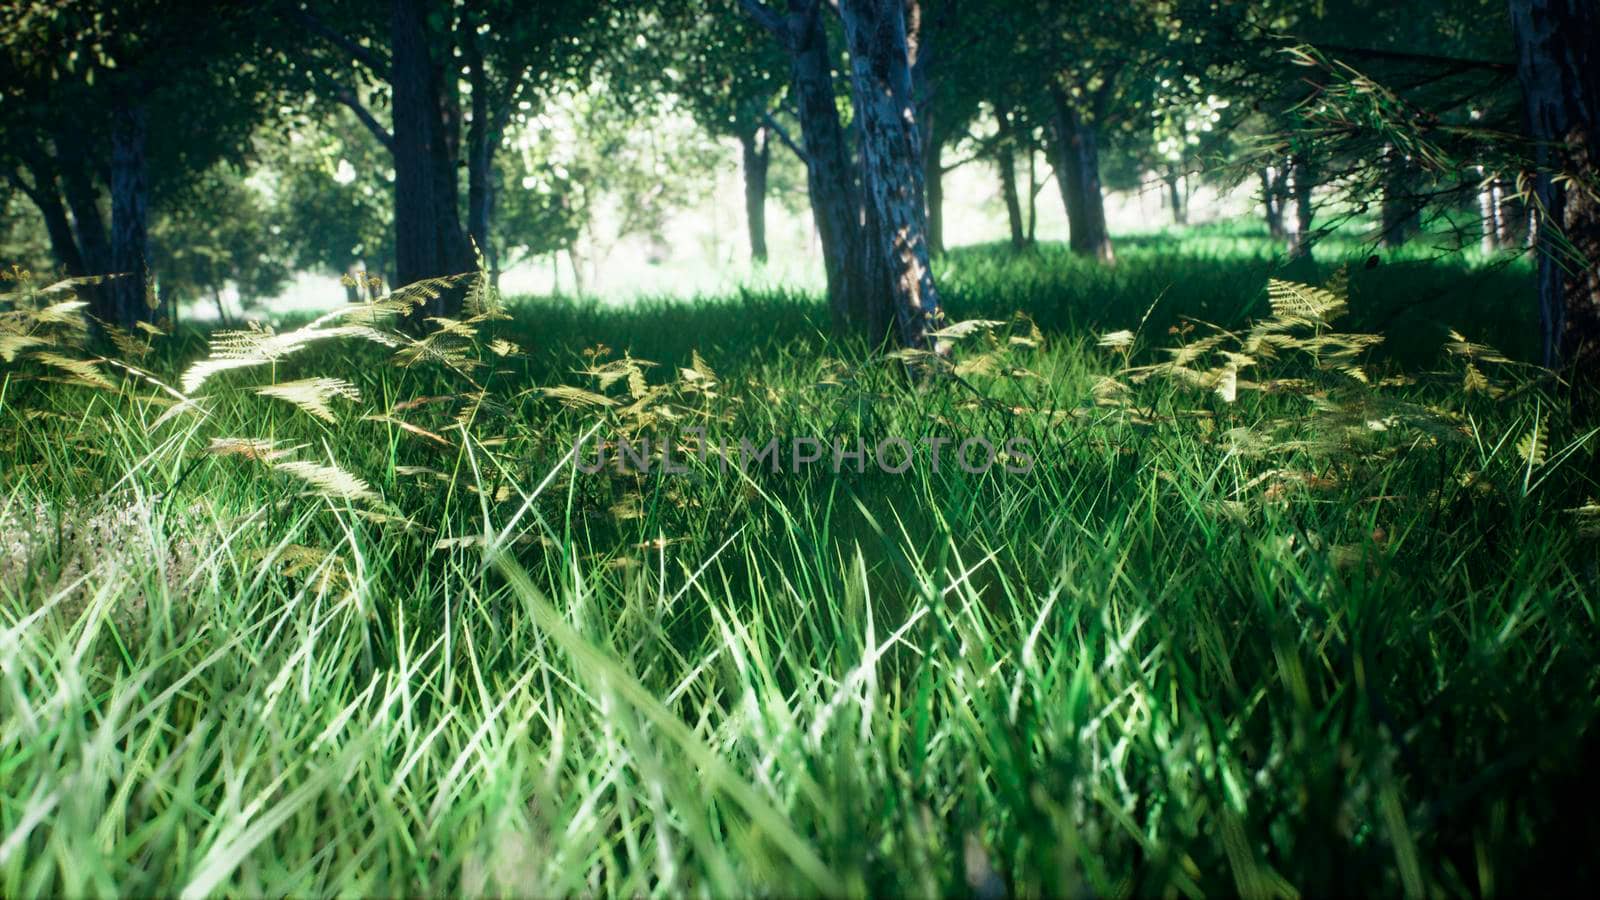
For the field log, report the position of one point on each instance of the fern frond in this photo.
(577, 397)
(1535, 445)
(12, 344)
(312, 394)
(330, 481)
(258, 346)
(81, 370)
(964, 329)
(258, 449)
(1293, 300)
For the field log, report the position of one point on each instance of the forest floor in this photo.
(1276, 608)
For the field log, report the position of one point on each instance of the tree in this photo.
(167, 86)
(214, 232)
(892, 165)
(409, 57)
(333, 201)
(732, 78)
(1558, 66)
(830, 177)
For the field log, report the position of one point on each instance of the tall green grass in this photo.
(1326, 642)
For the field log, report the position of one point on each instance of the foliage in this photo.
(1211, 644)
(217, 232)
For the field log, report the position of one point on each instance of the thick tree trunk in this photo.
(1400, 215)
(1077, 166)
(756, 146)
(829, 175)
(124, 302)
(482, 139)
(892, 170)
(429, 241)
(1300, 183)
(1180, 211)
(454, 244)
(1558, 63)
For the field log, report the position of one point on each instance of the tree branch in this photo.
(1427, 58)
(784, 137)
(348, 97)
(363, 55)
(765, 17)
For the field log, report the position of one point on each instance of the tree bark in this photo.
(892, 169)
(124, 302)
(756, 145)
(1300, 182)
(1077, 166)
(1558, 64)
(483, 137)
(829, 175)
(429, 241)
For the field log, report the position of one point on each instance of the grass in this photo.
(1333, 638)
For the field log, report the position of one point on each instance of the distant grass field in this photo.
(1251, 625)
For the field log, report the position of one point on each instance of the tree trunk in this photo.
(933, 179)
(46, 197)
(1272, 200)
(1300, 181)
(1006, 161)
(90, 227)
(892, 169)
(1034, 187)
(1488, 235)
(1400, 216)
(429, 241)
(1077, 166)
(1558, 64)
(124, 302)
(455, 247)
(829, 176)
(482, 139)
(756, 145)
(1008, 189)
(1180, 213)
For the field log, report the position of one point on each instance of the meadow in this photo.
(1281, 608)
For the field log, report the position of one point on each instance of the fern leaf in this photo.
(577, 397)
(1534, 445)
(258, 449)
(12, 344)
(81, 370)
(330, 481)
(312, 394)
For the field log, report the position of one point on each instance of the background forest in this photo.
(315, 315)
